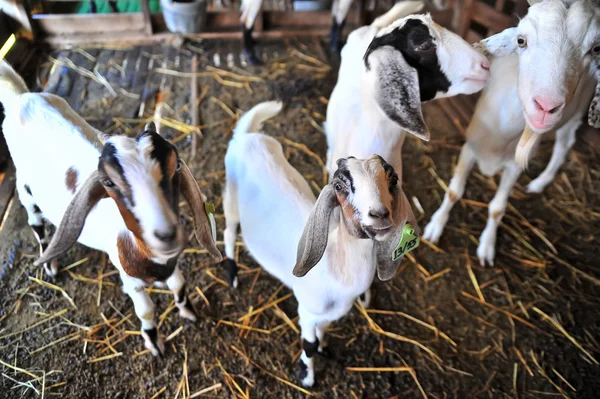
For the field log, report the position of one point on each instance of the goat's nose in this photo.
(548, 105)
(167, 235)
(379, 213)
(485, 65)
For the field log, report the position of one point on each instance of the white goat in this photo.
(344, 246)
(251, 8)
(120, 197)
(548, 84)
(387, 70)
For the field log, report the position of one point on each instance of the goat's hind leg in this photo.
(565, 138)
(35, 219)
(176, 284)
(435, 228)
(232, 221)
(486, 250)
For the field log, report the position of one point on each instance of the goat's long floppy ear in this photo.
(314, 237)
(386, 265)
(196, 200)
(594, 111)
(73, 220)
(396, 88)
(499, 45)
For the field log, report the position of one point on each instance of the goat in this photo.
(546, 85)
(342, 239)
(387, 70)
(251, 8)
(120, 197)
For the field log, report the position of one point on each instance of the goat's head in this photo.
(557, 42)
(415, 60)
(144, 177)
(373, 206)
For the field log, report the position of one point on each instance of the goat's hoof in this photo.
(51, 270)
(187, 311)
(365, 298)
(486, 251)
(305, 375)
(326, 352)
(231, 272)
(153, 342)
(433, 230)
(537, 186)
(251, 58)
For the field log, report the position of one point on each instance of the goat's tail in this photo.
(252, 121)
(399, 10)
(11, 84)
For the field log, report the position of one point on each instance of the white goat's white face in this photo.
(364, 189)
(556, 42)
(142, 176)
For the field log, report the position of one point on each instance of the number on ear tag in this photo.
(209, 207)
(408, 242)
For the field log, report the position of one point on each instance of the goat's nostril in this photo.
(379, 213)
(166, 235)
(485, 66)
(547, 105)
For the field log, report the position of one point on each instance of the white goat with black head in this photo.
(334, 243)
(120, 196)
(547, 84)
(387, 70)
(251, 8)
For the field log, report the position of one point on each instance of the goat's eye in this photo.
(109, 183)
(338, 187)
(596, 49)
(521, 42)
(428, 45)
(178, 167)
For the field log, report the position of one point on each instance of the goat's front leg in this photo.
(435, 228)
(176, 284)
(323, 347)
(565, 138)
(144, 309)
(486, 250)
(310, 346)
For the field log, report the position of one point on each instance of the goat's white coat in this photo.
(499, 120)
(46, 138)
(271, 201)
(356, 125)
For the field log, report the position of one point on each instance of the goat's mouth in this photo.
(377, 231)
(168, 253)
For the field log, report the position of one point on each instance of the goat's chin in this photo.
(167, 254)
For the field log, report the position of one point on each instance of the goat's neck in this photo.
(138, 261)
(348, 257)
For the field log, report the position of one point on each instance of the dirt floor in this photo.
(530, 330)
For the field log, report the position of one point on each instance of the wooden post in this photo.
(194, 98)
(147, 20)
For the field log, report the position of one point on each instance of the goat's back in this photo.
(273, 201)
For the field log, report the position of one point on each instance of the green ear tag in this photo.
(209, 207)
(408, 242)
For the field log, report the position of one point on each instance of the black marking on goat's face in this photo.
(142, 176)
(418, 47)
(27, 189)
(365, 191)
(36, 209)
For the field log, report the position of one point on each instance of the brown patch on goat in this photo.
(119, 181)
(71, 179)
(130, 220)
(496, 215)
(135, 258)
(451, 195)
(351, 215)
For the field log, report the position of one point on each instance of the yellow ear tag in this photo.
(209, 207)
(408, 242)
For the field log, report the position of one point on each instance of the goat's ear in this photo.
(499, 45)
(387, 263)
(196, 201)
(314, 237)
(396, 89)
(74, 217)
(594, 111)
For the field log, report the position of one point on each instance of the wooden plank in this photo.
(90, 23)
(487, 16)
(466, 13)
(472, 37)
(194, 107)
(146, 14)
(7, 187)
